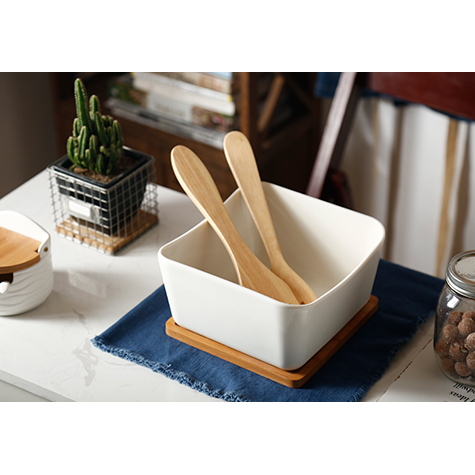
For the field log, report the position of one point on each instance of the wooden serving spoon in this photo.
(200, 187)
(243, 165)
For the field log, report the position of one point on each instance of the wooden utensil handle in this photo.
(246, 173)
(199, 185)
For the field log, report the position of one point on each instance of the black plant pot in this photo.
(108, 206)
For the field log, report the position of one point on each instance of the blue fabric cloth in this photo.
(406, 299)
(325, 84)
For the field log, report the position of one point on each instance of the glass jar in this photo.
(454, 332)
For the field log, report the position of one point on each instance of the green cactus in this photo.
(96, 143)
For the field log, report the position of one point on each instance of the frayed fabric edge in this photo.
(378, 374)
(169, 372)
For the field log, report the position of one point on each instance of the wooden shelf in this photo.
(285, 156)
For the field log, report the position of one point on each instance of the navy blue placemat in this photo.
(406, 299)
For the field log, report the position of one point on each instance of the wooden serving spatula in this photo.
(243, 165)
(198, 184)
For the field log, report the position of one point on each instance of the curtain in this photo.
(413, 169)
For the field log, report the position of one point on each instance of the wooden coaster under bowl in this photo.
(292, 379)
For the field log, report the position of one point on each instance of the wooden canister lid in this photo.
(17, 252)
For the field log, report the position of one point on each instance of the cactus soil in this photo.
(125, 163)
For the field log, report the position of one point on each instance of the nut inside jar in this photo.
(455, 344)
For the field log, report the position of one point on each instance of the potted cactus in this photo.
(96, 144)
(101, 182)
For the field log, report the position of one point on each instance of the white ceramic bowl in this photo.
(32, 286)
(335, 250)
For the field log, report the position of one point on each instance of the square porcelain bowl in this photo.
(335, 250)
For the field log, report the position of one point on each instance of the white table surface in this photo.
(48, 351)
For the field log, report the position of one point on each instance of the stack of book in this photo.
(199, 106)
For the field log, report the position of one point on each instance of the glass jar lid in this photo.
(461, 274)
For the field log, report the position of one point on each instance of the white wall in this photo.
(27, 132)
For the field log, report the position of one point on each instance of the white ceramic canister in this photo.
(23, 290)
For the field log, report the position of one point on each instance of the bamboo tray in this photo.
(292, 379)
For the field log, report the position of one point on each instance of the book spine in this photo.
(123, 89)
(144, 116)
(205, 80)
(225, 75)
(224, 105)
